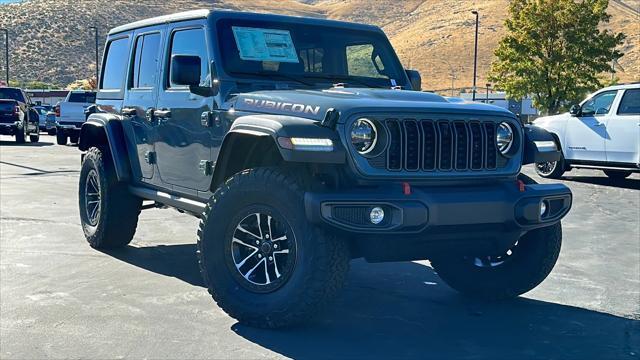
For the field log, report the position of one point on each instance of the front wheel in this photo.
(34, 138)
(261, 260)
(513, 273)
(617, 174)
(108, 211)
(551, 169)
(74, 139)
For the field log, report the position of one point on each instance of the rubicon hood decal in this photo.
(282, 106)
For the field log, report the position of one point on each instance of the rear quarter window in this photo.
(630, 103)
(115, 66)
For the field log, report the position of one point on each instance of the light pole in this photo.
(488, 85)
(475, 55)
(6, 52)
(97, 66)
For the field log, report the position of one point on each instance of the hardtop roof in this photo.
(220, 14)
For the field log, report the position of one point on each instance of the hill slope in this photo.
(50, 40)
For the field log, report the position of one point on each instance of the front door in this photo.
(623, 128)
(142, 95)
(585, 134)
(183, 143)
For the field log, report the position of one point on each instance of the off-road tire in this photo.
(321, 260)
(556, 173)
(21, 136)
(119, 209)
(74, 139)
(34, 138)
(61, 139)
(617, 174)
(535, 256)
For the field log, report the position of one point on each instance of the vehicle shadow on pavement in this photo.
(26, 144)
(631, 184)
(404, 310)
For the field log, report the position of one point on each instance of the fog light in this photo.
(376, 215)
(543, 208)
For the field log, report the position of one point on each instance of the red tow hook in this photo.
(521, 185)
(406, 188)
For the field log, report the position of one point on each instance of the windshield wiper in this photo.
(267, 74)
(344, 78)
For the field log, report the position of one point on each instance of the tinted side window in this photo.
(145, 61)
(116, 64)
(191, 42)
(630, 103)
(599, 104)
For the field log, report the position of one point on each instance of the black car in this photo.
(301, 144)
(17, 115)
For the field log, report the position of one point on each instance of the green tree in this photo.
(554, 50)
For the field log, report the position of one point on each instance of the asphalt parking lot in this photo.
(61, 299)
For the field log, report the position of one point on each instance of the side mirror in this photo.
(415, 79)
(185, 70)
(574, 110)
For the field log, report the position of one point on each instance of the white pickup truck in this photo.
(70, 115)
(603, 132)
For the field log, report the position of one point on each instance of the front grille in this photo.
(438, 145)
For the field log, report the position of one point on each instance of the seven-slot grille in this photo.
(439, 145)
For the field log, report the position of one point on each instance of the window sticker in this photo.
(265, 44)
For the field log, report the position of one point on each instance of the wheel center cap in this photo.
(265, 247)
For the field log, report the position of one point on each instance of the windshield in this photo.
(309, 55)
(13, 94)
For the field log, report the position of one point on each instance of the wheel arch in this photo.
(105, 131)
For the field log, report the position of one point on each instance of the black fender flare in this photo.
(540, 145)
(268, 129)
(106, 130)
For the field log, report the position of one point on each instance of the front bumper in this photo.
(497, 214)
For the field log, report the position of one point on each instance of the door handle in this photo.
(162, 114)
(127, 111)
(599, 124)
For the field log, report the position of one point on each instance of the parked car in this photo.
(302, 143)
(17, 116)
(71, 115)
(602, 132)
(42, 111)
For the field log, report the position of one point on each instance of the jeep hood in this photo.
(313, 104)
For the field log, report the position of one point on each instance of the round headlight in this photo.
(504, 137)
(363, 135)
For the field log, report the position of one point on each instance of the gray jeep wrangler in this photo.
(302, 144)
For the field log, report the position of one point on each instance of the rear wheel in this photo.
(108, 211)
(61, 138)
(74, 138)
(21, 135)
(262, 261)
(51, 132)
(617, 174)
(34, 138)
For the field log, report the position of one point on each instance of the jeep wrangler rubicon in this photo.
(301, 144)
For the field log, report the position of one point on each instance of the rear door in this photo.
(623, 130)
(142, 94)
(585, 135)
(183, 143)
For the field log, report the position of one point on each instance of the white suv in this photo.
(603, 132)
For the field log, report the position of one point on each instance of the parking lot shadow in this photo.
(26, 144)
(403, 310)
(632, 184)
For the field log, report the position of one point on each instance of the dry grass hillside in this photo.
(51, 42)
